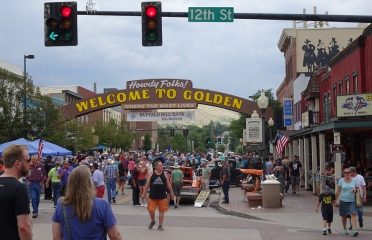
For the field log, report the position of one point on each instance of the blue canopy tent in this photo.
(32, 148)
(51, 149)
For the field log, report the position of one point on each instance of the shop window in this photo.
(340, 88)
(334, 96)
(347, 86)
(355, 83)
(368, 149)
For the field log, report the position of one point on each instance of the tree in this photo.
(147, 142)
(236, 126)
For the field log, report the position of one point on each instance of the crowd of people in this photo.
(77, 187)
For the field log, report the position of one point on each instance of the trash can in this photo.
(271, 197)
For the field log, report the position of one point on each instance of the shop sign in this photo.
(287, 112)
(202, 197)
(307, 119)
(354, 105)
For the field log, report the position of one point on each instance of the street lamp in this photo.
(263, 103)
(25, 88)
(255, 114)
(271, 124)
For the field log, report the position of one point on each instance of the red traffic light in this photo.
(151, 11)
(66, 11)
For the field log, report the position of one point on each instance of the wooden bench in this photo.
(254, 199)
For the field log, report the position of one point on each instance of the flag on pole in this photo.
(40, 149)
(281, 141)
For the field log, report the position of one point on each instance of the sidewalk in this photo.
(298, 211)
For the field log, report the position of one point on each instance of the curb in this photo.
(216, 205)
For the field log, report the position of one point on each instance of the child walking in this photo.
(327, 199)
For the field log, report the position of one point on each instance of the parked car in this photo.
(235, 174)
(191, 184)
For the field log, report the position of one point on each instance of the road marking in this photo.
(123, 200)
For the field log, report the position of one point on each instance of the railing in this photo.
(321, 179)
(324, 180)
(320, 117)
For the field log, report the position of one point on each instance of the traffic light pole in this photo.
(259, 16)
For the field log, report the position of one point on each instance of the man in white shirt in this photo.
(361, 183)
(98, 181)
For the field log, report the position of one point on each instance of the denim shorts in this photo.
(347, 208)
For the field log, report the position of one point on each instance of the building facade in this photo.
(336, 117)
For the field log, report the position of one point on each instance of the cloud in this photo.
(238, 58)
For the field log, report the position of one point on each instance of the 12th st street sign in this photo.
(211, 14)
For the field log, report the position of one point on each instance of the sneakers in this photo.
(361, 225)
(355, 233)
(113, 200)
(329, 231)
(152, 225)
(324, 232)
(160, 228)
(345, 232)
(175, 206)
(34, 215)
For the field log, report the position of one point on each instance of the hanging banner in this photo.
(254, 130)
(160, 116)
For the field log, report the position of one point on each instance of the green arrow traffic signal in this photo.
(53, 36)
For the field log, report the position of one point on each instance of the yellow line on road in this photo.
(123, 200)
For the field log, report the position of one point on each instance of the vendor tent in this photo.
(32, 148)
(51, 149)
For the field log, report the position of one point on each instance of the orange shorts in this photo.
(162, 204)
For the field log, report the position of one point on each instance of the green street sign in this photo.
(211, 14)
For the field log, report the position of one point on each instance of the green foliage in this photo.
(203, 137)
(221, 148)
(147, 142)
(236, 126)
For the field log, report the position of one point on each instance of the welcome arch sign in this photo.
(160, 94)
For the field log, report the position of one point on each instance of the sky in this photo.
(237, 58)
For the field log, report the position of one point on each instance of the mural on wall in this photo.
(319, 54)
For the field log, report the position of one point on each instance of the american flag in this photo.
(40, 148)
(281, 141)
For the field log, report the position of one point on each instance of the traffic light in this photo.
(151, 24)
(60, 24)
